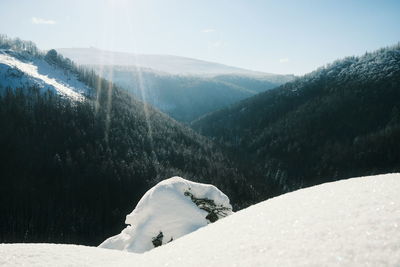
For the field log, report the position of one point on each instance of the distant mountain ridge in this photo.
(184, 88)
(164, 63)
(184, 97)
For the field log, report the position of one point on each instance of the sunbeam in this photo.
(108, 38)
(133, 26)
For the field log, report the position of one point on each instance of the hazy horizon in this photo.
(283, 37)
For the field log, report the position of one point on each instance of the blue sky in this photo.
(286, 36)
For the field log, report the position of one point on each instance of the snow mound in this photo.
(18, 71)
(171, 209)
(354, 222)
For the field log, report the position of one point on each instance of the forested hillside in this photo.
(71, 170)
(183, 88)
(339, 121)
(184, 97)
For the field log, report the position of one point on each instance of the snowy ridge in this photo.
(167, 209)
(164, 63)
(352, 222)
(380, 64)
(17, 71)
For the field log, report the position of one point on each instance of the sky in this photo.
(285, 36)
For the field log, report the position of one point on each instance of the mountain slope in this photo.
(184, 98)
(164, 63)
(183, 88)
(24, 70)
(346, 223)
(71, 170)
(340, 121)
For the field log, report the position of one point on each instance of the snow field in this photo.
(19, 73)
(352, 222)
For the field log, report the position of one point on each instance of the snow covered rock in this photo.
(171, 209)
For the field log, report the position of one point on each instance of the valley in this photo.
(199, 133)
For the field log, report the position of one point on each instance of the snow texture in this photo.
(166, 208)
(380, 64)
(22, 71)
(354, 222)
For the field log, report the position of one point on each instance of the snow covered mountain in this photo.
(352, 222)
(164, 63)
(22, 70)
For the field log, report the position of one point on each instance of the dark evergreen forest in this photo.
(340, 121)
(71, 171)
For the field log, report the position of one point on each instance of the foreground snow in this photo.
(21, 71)
(354, 222)
(168, 212)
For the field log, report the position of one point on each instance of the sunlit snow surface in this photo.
(18, 71)
(354, 222)
(165, 208)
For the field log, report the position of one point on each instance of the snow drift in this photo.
(354, 222)
(169, 210)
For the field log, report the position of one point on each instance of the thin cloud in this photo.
(208, 30)
(283, 60)
(218, 43)
(36, 20)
